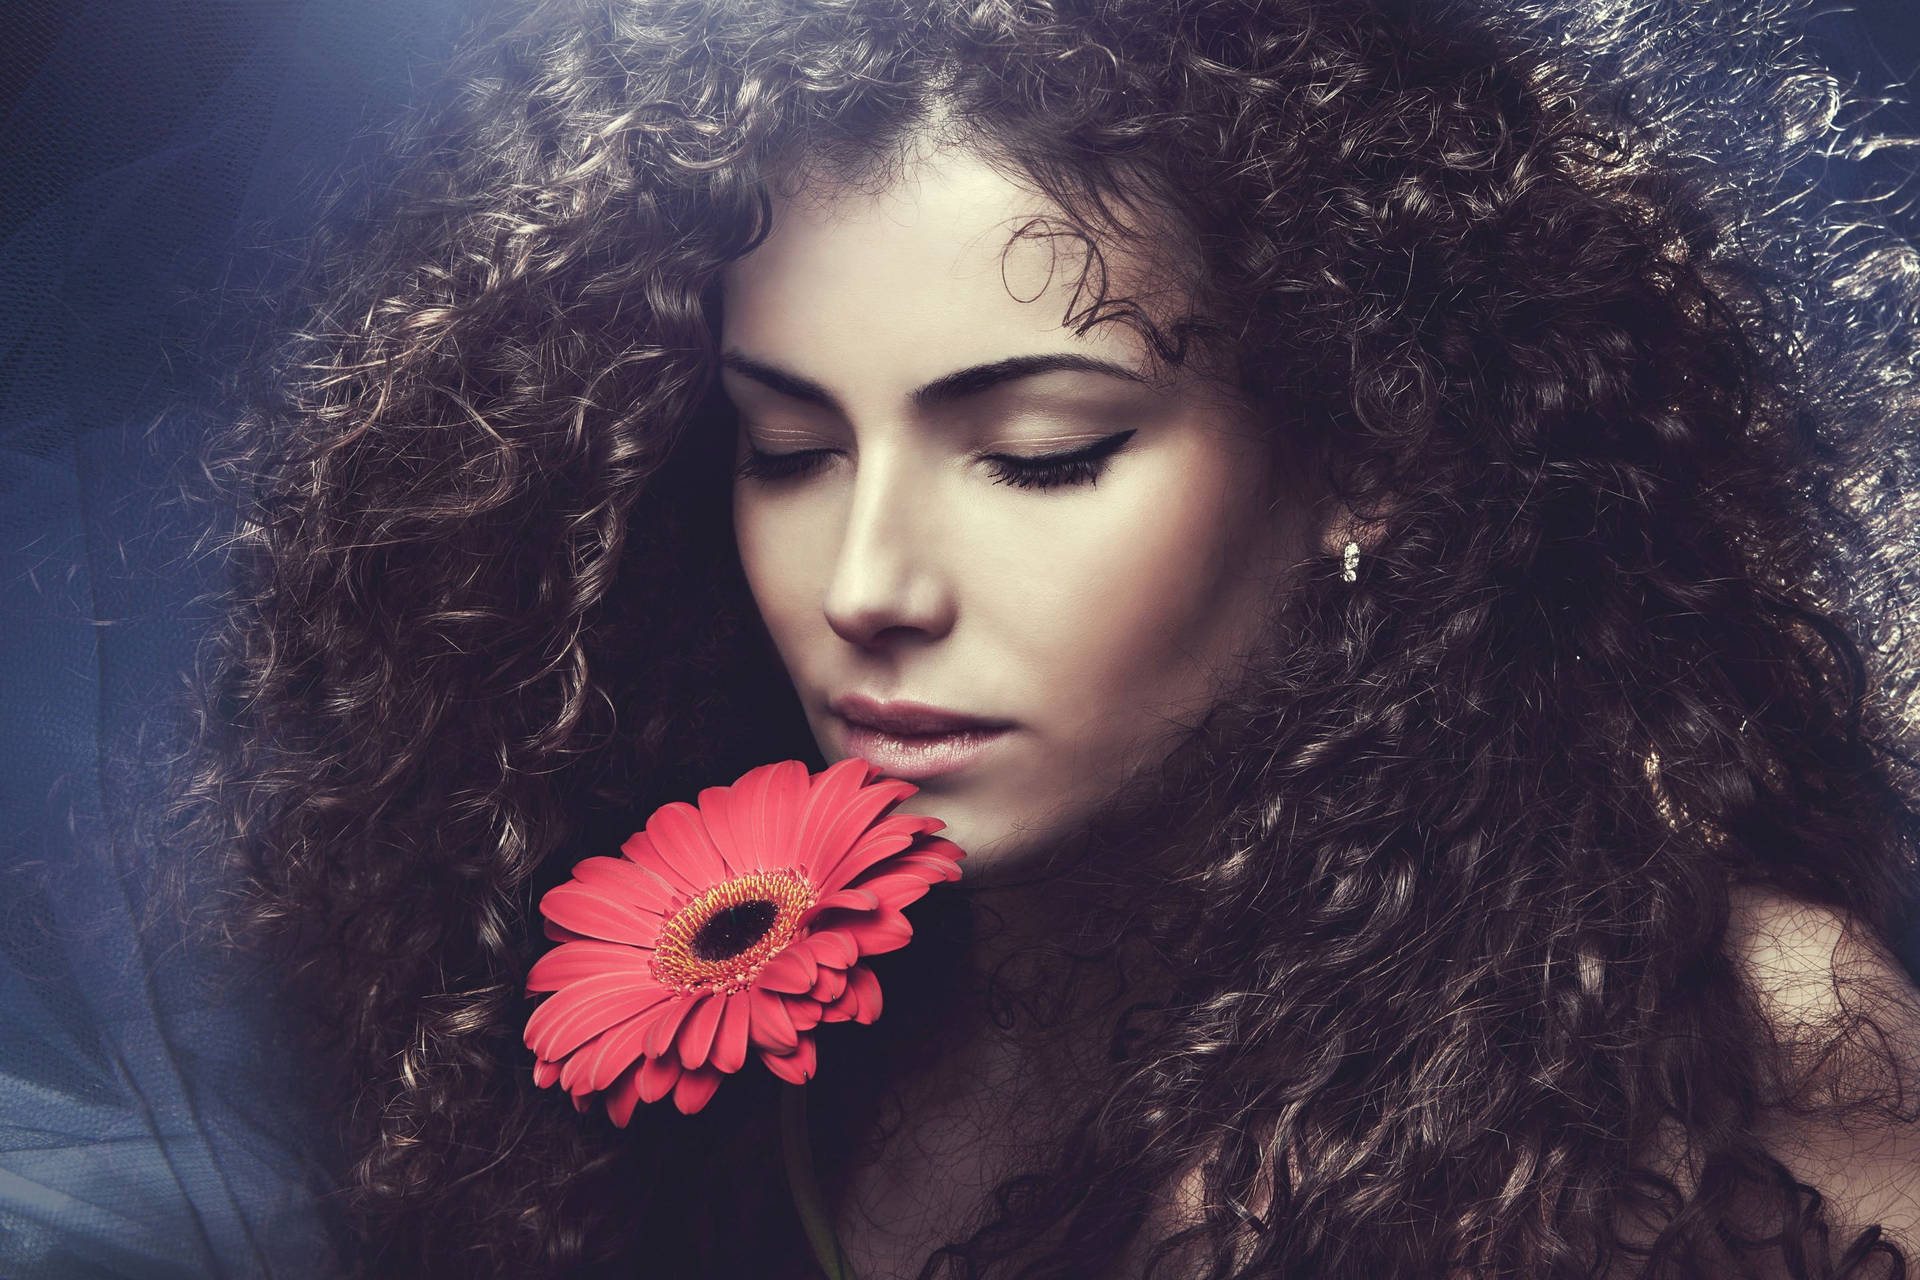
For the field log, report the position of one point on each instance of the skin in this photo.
(1097, 616)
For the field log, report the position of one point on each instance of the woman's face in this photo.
(900, 369)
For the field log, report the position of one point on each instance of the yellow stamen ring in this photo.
(720, 940)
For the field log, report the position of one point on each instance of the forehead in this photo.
(953, 257)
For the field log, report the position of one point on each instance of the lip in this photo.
(916, 757)
(908, 719)
(913, 740)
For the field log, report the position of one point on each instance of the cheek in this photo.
(782, 565)
(1121, 603)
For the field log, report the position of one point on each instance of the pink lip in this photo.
(916, 757)
(908, 719)
(914, 740)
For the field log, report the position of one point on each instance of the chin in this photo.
(992, 849)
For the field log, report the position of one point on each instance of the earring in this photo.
(1350, 562)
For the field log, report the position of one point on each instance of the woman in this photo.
(1363, 468)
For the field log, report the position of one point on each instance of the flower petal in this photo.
(616, 1050)
(556, 934)
(695, 1089)
(931, 864)
(796, 1067)
(828, 985)
(860, 1002)
(861, 899)
(769, 1025)
(865, 988)
(805, 1015)
(680, 835)
(829, 794)
(660, 1036)
(695, 1040)
(589, 911)
(894, 891)
(573, 1071)
(730, 1041)
(644, 852)
(790, 971)
(774, 797)
(863, 851)
(568, 1018)
(624, 1096)
(629, 882)
(933, 868)
(834, 820)
(943, 849)
(572, 962)
(724, 811)
(657, 1077)
(545, 1073)
(832, 791)
(830, 947)
(876, 932)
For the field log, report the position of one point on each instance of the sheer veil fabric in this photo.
(158, 154)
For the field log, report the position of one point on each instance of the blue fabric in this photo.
(150, 1123)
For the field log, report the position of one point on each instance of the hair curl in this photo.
(1438, 896)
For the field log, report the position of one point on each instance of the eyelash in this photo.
(1049, 471)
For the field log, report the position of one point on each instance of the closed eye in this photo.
(1044, 471)
(1077, 466)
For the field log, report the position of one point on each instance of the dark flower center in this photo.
(731, 930)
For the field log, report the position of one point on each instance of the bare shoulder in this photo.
(1816, 972)
(1845, 1019)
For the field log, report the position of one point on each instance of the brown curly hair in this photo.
(1436, 901)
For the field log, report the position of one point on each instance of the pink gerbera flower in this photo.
(734, 925)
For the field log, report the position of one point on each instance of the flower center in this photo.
(719, 941)
(733, 929)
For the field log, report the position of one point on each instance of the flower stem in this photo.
(806, 1188)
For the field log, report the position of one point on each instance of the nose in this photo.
(890, 579)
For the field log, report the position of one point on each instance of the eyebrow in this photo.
(942, 390)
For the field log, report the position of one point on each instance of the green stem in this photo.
(806, 1188)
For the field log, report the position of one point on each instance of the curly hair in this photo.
(1436, 899)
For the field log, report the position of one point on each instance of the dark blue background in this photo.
(155, 152)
